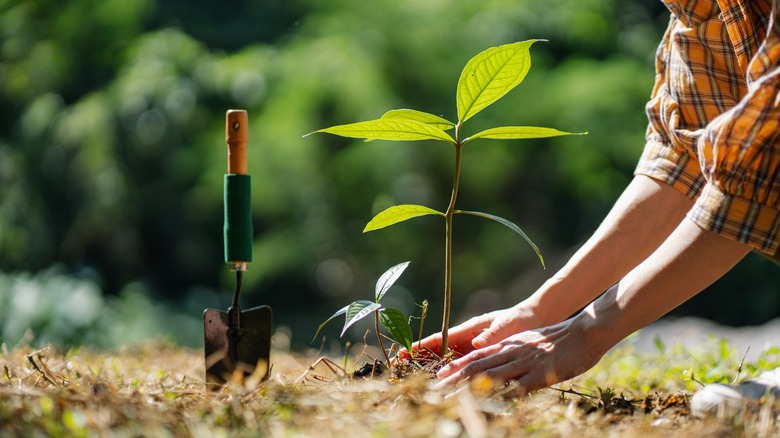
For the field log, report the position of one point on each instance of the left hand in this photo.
(535, 359)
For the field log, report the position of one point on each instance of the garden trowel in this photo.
(237, 343)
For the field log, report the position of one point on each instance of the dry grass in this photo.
(158, 390)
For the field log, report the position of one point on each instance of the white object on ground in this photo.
(725, 400)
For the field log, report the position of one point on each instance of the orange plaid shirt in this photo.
(714, 116)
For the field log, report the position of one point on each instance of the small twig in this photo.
(394, 348)
(741, 363)
(423, 314)
(40, 371)
(388, 338)
(573, 392)
(363, 351)
(43, 370)
(365, 342)
(694, 379)
(334, 368)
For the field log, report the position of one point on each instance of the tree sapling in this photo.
(486, 78)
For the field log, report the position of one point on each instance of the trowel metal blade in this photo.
(252, 348)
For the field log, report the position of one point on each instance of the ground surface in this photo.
(158, 390)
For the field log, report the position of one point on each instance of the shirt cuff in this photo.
(668, 165)
(737, 218)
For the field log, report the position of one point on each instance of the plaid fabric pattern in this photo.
(714, 116)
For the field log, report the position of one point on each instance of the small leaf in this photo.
(419, 116)
(397, 326)
(520, 133)
(387, 279)
(490, 75)
(508, 224)
(398, 213)
(339, 312)
(389, 129)
(659, 344)
(358, 310)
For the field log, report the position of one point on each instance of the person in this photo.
(706, 191)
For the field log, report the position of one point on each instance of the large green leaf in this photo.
(490, 75)
(358, 310)
(419, 116)
(397, 325)
(519, 133)
(398, 213)
(389, 129)
(508, 224)
(388, 279)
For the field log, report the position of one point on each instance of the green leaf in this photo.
(490, 75)
(389, 129)
(358, 310)
(388, 279)
(419, 116)
(338, 312)
(519, 133)
(398, 213)
(508, 224)
(397, 325)
(659, 344)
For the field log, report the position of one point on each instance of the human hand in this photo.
(534, 359)
(459, 338)
(480, 331)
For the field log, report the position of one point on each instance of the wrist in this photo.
(549, 304)
(600, 326)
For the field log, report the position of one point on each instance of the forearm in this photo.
(687, 262)
(644, 215)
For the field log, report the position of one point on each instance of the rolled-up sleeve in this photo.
(739, 155)
(662, 158)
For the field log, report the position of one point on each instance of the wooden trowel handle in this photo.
(237, 133)
(238, 233)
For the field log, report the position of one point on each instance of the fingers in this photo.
(490, 336)
(533, 380)
(499, 329)
(476, 362)
(500, 364)
(460, 337)
(432, 342)
(519, 357)
(504, 324)
(465, 361)
(532, 359)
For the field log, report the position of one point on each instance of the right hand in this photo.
(481, 331)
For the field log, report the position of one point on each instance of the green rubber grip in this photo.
(238, 231)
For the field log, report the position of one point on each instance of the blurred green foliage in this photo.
(713, 360)
(112, 150)
(63, 309)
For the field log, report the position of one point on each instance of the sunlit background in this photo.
(112, 154)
